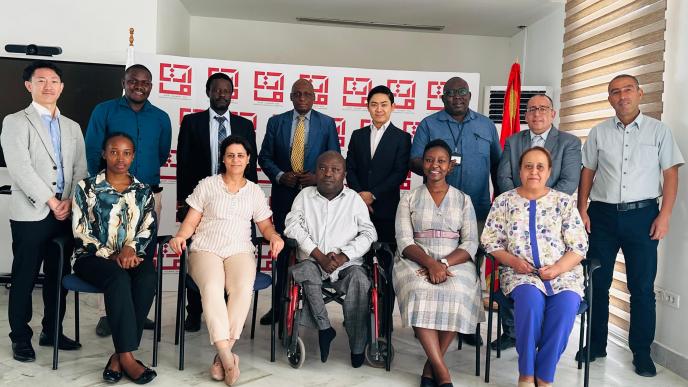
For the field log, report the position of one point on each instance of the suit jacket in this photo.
(384, 172)
(31, 163)
(275, 152)
(194, 161)
(565, 149)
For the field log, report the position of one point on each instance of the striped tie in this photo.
(537, 141)
(222, 130)
(298, 145)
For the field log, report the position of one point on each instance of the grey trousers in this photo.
(353, 283)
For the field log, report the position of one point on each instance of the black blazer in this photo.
(193, 150)
(383, 174)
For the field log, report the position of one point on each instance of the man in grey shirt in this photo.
(625, 159)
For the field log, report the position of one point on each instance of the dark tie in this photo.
(222, 130)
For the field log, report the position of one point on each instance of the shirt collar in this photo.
(382, 128)
(317, 194)
(102, 184)
(43, 111)
(444, 116)
(296, 115)
(213, 114)
(123, 102)
(638, 121)
(543, 135)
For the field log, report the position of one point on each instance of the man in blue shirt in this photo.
(147, 125)
(475, 149)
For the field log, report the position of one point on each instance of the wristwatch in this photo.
(446, 263)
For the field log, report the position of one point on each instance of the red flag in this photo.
(511, 117)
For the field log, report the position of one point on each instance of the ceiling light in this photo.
(369, 24)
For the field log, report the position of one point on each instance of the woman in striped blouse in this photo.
(113, 223)
(222, 256)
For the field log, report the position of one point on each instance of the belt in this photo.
(628, 206)
(437, 234)
(58, 195)
(156, 188)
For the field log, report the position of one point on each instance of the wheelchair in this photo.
(379, 351)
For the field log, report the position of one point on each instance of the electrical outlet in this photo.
(668, 298)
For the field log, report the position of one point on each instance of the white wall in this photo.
(173, 28)
(673, 256)
(350, 47)
(543, 53)
(87, 30)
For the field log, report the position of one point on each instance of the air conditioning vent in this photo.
(494, 102)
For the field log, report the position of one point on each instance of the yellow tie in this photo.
(298, 145)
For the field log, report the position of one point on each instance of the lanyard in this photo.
(456, 143)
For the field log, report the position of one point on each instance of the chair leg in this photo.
(58, 288)
(499, 333)
(158, 301)
(255, 310)
(477, 350)
(76, 316)
(488, 348)
(459, 341)
(272, 308)
(182, 332)
(581, 338)
(586, 376)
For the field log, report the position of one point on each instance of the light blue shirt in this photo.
(52, 125)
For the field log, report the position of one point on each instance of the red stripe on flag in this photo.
(511, 117)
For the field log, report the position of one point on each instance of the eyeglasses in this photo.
(307, 95)
(462, 92)
(538, 109)
(134, 82)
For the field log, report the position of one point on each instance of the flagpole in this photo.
(525, 45)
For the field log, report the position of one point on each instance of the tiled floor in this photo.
(84, 367)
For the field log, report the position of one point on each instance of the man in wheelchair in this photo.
(333, 230)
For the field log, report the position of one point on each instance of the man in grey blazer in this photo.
(45, 158)
(566, 167)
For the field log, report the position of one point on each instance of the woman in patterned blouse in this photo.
(112, 220)
(536, 233)
(222, 256)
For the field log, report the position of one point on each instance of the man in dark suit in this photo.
(377, 162)
(197, 157)
(293, 141)
(565, 149)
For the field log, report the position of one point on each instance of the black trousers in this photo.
(282, 265)
(628, 230)
(128, 296)
(31, 246)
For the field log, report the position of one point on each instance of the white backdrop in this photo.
(261, 90)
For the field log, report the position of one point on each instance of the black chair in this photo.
(262, 281)
(77, 285)
(585, 311)
(479, 257)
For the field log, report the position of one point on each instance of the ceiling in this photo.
(464, 17)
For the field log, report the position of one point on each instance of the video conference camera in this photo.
(33, 49)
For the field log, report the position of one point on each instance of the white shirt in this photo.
(375, 136)
(338, 225)
(214, 131)
(225, 228)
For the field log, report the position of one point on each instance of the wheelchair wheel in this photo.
(297, 358)
(376, 359)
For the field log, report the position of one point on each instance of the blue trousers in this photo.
(543, 325)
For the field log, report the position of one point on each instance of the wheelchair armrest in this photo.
(61, 240)
(291, 243)
(6, 190)
(376, 246)
(259, 240)
(163, 239)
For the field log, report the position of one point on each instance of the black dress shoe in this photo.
(109, 375)
(506, 343)
(267, 318)
(64, 343)
(470, 339)
(146, 376)
(594, 354)
(23, 351)
(644, 366)
(427, 382)
(192, 324)
(149, 324)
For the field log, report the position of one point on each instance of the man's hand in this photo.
(660, 227)
(306, 179)
(127, 259)
(367, 198)
(324, 261)
(586, 220)
(290, 179)
(63, 210)
(339, 259)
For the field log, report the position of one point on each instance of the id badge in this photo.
(456, 157)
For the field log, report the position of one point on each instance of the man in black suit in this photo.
(377, 162)
(197, 157)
